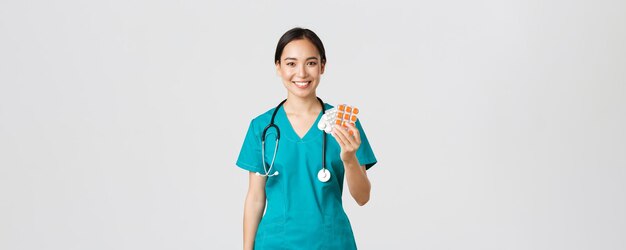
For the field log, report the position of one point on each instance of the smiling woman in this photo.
(304, 205)
(300, 68)
(300, 60)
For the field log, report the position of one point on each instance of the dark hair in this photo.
(298, 33)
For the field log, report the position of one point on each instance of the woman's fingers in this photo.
(347, 141)
(355, 133)
(339, 136)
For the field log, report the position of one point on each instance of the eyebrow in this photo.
(292, 58)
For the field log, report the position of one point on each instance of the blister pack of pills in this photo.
(339, 115)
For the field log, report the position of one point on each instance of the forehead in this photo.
(300, 49)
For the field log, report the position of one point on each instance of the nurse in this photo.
(301, 212)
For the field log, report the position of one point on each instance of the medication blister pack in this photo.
(339, 115)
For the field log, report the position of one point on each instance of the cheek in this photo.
(285, 74)
(314, 71)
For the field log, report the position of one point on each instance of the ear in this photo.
(277, 63)
(322, 67)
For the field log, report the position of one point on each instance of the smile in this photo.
(302, 84)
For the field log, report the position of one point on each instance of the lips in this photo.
(302, 84)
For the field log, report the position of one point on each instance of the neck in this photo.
(302, 105)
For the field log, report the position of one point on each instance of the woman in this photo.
(303, 212)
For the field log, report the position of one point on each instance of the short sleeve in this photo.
(365, 154)
(250, 154)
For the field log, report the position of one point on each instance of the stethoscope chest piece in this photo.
(323, 175)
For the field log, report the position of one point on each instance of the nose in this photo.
(302, 72)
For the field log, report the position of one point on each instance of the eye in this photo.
(291, 64)
(313, 63)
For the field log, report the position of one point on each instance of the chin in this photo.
(300, 94)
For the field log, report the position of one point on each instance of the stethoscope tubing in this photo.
(273, 125)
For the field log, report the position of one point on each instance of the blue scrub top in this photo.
(301, 211)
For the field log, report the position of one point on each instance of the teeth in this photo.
(301, 84)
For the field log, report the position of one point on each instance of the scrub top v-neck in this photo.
(301, 211)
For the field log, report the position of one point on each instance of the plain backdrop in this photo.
(496, 124)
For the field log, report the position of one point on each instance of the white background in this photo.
(497, 124)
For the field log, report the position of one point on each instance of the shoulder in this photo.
(328, 106)
(262, 120)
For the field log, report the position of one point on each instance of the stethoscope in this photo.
(323, 175)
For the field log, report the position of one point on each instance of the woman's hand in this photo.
(356, 176)
(349, 141)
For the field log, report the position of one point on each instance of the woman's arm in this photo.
(253, 209)
(358, 183)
